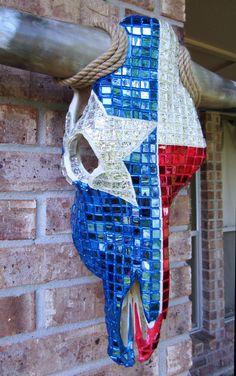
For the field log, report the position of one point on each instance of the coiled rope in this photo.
(114, 58)
(107, 63)
(187, 76)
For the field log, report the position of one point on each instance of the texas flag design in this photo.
(143, 128)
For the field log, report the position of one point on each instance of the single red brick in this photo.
(54, 353)
(39, 264)
(98, 10)
(180, 211)
(18, 124)
(73, 304)
(38, 87)
(17, 314)
(29, 172)
(145, 4)
(55, 121)
(179, 357)
(14, 82)
(17, 219)
(173, 9)
(43, 88)
(180, 246)
(39, 7)
(180, 282)
(58, 213)
(66, 10)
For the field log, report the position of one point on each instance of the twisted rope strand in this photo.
(114, 58)
(187, 76)
(104, 64)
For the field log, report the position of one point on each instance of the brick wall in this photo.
(51, 307)
(213, 347)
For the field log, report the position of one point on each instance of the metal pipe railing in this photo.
(61, 49)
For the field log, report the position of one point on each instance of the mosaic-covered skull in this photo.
(142, 126)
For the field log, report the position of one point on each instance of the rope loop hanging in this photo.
(114, 58)
(187, 76)
(104, 64)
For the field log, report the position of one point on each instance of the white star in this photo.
(112, 139)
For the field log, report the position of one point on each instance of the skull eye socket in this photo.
(87, 155)
(82, 155)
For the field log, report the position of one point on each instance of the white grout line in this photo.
(45, 332)
(16, 243)
(33, 104)
(177, 264)
(47, 239)
(172, 21)
(40, 218)
(50, 239)
(178, 228)
(30, 195)
(135, 8)
(40, 308)
(177, 301)
(41, 128)
(30, 148)
(121, 12)
(157, 9)
(19, 290)
(175, 340)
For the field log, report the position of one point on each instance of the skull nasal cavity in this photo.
(87, 155)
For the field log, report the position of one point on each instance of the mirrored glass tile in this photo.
(136, 51)
(144, 95)
(145, 52)
(135, 41)
(144, 115)
(136, 62)
(126, 93)
(153, 74)
(135, 73)
(137, 30)
(143, 73)
(136, 93)
(117, 91)
(116, 81)
(144, 84)
(117, 101)
(145, 63)
(136, 103)
(145, 105)
(126, 71)
(146, 31)
(106, 101)
(146, 42)
(106, 89)
(145, 191)
(135, 83)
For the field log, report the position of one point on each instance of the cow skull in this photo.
(142, 129)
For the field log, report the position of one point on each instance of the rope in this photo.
(187, 76)
(104, 64)
(115, 57)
